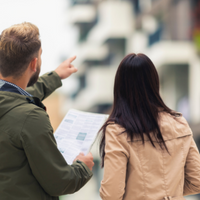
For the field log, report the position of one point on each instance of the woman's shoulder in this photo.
(116, 131)
(172, 118)
(173, 125)
(114, 126)
(115, 134)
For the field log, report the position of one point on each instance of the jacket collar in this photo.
(10, 87)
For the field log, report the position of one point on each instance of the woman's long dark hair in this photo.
(136, 101)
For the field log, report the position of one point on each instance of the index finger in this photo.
(90, 154)
(71, 59)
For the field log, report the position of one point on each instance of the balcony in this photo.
(81, 2)
(115, 21)
(82, 14)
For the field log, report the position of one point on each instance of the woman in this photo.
(147, 150)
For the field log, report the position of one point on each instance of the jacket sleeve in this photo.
(48, 166)
(115, 164)
(192, 171)
(45, 85)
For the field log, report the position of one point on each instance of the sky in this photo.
(51, 17)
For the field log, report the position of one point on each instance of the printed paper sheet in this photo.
(77, 132)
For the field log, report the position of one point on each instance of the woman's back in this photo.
(138, 171)
(147, 149)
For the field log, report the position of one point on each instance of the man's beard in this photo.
(34, 77)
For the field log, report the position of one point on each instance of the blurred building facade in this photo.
(167, 31)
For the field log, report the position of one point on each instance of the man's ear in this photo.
(33, 64)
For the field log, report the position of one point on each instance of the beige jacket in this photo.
(134, 171)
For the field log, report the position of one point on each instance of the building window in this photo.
(156, 36)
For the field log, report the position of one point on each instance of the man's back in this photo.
(16, 178)
(31, 166)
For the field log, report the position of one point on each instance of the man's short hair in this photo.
(19, 44)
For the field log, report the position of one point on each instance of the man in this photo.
(31, 166)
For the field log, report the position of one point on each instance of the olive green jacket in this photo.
(31, 166)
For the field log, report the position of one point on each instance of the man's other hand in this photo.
(65, 69)
(88, 159)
